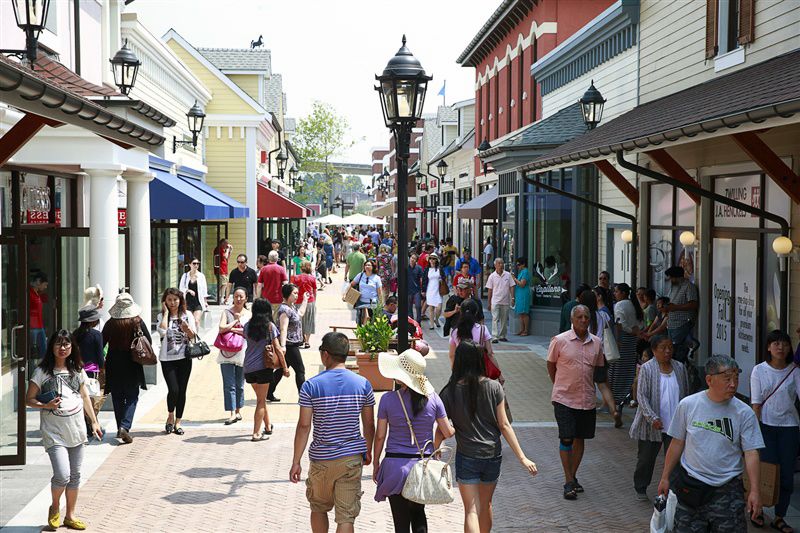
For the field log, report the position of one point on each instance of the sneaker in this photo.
(125, 436)
(642, 496)
(273, 399)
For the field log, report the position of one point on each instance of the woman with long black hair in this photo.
(476, 406)
(260, 332)
(176, 327)
(290, 325)
(57, 387)
(629, 318)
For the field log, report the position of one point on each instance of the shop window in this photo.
(672, 211)
(6, 212)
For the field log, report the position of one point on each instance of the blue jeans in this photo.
(415, 302)
(232, 386)
(39, 339)
(125, 398)
(780, 447)
(471, 471)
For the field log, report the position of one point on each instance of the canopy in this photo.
(237, 210)
(330, 220)
(363, 220)
(273, 205)
(483, 206)
(173, 198)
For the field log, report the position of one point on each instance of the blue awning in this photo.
(237, 210)
(173, 198)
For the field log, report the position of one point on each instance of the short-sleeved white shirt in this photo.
(779, 409)
(63, 426)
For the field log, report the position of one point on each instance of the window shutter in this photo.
(712, 9)
(747, 21)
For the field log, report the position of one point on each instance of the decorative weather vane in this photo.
(256, 44)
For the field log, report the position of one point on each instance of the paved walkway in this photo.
(214, 479)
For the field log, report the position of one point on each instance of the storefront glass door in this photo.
(13, 345)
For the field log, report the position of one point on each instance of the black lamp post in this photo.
(281, 159)
(325, 203)
(31, 16)
(482, 148)
(402, 88)
(339, 204)
(125, 67)
(196, 117)
(592, 104)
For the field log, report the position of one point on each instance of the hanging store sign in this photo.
(744, 189)
(122, 218)
(443, 208)
(415, 210)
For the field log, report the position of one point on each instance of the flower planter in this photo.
(368, 368)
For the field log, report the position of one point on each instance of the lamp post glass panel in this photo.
(30, 16)
(402, 88)
(125, 67)
(281, 159)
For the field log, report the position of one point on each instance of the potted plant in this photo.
(374, 337)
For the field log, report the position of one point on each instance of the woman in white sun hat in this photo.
(416, 400)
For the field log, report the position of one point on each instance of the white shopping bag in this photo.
(664, 521)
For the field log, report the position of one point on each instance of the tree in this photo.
(353, 184)
(320, 138)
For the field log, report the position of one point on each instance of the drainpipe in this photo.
(77, 16)
(269, 155)
(714, 197)
(630, 218)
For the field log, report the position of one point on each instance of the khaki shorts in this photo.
(336, 483)
(223, 280)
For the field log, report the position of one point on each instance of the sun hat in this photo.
(92, 295)
(125, 307)
(408, 368)
(433, 256)
(88, 313)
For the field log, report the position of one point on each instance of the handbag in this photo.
(229, 342)
(196, 349)
(271, 359)
(610, 348)
(141, 349)
(429, 481)
(444, 290)
(492, 370)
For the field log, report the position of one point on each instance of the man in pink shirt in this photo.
(571, 362)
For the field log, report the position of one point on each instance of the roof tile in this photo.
(239, 58)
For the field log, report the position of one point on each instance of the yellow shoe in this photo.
(53, 518)
(74, 524)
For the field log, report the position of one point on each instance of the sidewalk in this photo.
(214, 479)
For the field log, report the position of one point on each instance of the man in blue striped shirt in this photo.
(333, 402)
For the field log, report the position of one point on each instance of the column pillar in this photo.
(103, 230)
(139, 235)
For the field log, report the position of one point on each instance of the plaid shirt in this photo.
(680, 294)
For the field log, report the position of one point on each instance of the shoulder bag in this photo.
(492, 371)
(444, 290)
(141, 349)
(271, 359)
(429, 481)
(229, 342)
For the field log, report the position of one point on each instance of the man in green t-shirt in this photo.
(354, 263)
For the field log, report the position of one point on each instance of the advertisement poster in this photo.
(745, 307)
(721, 295)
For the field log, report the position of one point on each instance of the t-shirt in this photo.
(716, 434)
(336, 398)
(477, 434)
(459, 276)
(65, 425)
(779, 409)
(36, 300)
(474, 266)
(669, 397)
(221, 258)
(369, 286)
(423, 260)
(294, 330)
(399, 439)
(245, 279)
(682, 293)
(480, 334)
(173, 339)
(296, 262)
(272, 277)
(254, 351)
(91, 346)
(501, 285)
(625, 316)
(566, 311)
(306, 287)
(414, 279)
(355, 264)
(488, 252)
(449, 255)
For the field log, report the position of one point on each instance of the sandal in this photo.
(230, 421)
(577, 486)
(169, 428)
(759, 521)
(569, 492)
(779, 524)
(270, 430)
(178, 431)
(261, 437)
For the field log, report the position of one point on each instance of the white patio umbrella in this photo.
(357, 219)
(330, 220)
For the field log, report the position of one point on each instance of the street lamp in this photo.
(422, 181)
(339, 204)
(31, 16)
(482, 148)
(125, 66)
(281, 159)
(195, 118)
(592, 104)
(402, 88)
(325, 203)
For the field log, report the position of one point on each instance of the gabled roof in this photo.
(239, 58)
(751, 95)
(504, 19)
(172, 34)
(454, 146)
(446, 114)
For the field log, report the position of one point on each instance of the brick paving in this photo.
(214, 479)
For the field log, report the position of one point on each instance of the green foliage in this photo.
(353, 184)
(375, 335)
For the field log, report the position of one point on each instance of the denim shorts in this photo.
(471, 471)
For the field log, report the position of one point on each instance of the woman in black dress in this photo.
(195, 289)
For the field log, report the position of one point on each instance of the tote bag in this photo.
(610, 348)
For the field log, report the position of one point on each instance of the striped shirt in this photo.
(336, 398)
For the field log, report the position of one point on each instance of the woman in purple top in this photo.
(423, 406)
(469, 327)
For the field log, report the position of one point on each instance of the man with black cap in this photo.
(682, 307)
(452, 308)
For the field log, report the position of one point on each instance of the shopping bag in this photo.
(352, 296)
(610, 348)
(770, 483)
(663, 519)
(92, 386)
(205, 320)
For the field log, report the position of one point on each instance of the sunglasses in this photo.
(241, 262)
(196, 264)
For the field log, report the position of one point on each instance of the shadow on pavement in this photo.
(226, 440)
(212, 472)
(196, 497)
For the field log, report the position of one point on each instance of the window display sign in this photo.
(744, 189)
(745, 305)
(722, 297)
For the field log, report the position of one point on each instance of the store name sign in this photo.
(743, 189)
(443, 208)
(549, 291)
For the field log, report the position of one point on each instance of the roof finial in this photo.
(404, 39)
